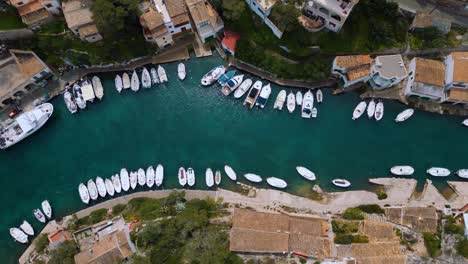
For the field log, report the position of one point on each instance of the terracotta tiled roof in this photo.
(260, 221)
(180, 19)
(230, 40)
(258, 241)
(60, 235)
(460, 67)
(151, 19)
(28, 62)
(175, 7)
(422, 20)
(430, 72)
(352, 61)
(108, 250)
(77, 13)
(30, 7)
(358, 72)
(458, 94)
(88, 30)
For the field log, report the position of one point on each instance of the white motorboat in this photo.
(181, 71)
(190, 177)
(154, 76)
(263, 97)
(371, 109)
(213, 75)
(253, 177)
(101, 187)
(298, 98)
(109, 187)
(230, 172)
(116, 183)
(118, 83)
(159, 175)
(379, 111)
(243, 88)
(253, 94)
(291, 103)
(141, 177)
(359, 110)
(403, 116)
(319, 96)
(135, 85)
(18, 235)
(341, 183)
(162, 74)
(92, 189)
(182, 176)
(78, 95)
(145, 78)
(69, 102)
(232, 84)
(277, 183)
(124, 179)
(306, 173)
(314, 112)
(39, 215)
(209, 178)
(87, 91)
(217, 177)
(126, 84)
(402, 170)
(83, 191)
(133, 179)
(465, 122)
(27, 228)
(150, 176)
(463, 173)
(280, 99)
(307, 105)
(97, 86)
(438, 172)
(25, 124)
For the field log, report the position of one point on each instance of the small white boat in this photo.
(371, 109)
(291, 104)
(402, 170)
(307, 105)
(181, 71)
(232, 84)
(87, 91)
(18, 235)
(314, 112)
(69, 102)
(182, 176)
(263, 97)
(116, 183)
(145, 78)
(92, 189)
(403, 116)
(133, 179)
(277, 183)
(118, 83)
(243, 88)
(150, 176)
(78, 95)
(154, 76)
(141, 177)
(209, 178)
(465, 122)
(253, 177)
(306, 173)
(359, 110)
(230, 172)
(298, 98)
(213, 75)
(83, 191)
(97, 86)
(126, 81)
(438, 172)
(162, 74)
(101, 187)
(280, 99)
(217, 177)
(124, 179)
(109, 187)
(341, 183)
(135, 82)
(159, 175)
(379, 111)
(190, 177)
(27, 228)
(319, 96)
(39, 215)
(463, 173)
(253, 94)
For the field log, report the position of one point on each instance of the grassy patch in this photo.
(94, 217)
(432, 243)
(344, 227)
(452, 227)
(353, 214)
(462, 247)
(348, 239)
(10, 20)
(41, 243)
(371, 209)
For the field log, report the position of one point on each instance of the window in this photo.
(260, 10)
(48, 5)
(336, 17)
(324, 10)
(43, 73)
(332, 24)
(172, 31)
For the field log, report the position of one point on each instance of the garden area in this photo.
(9, 19)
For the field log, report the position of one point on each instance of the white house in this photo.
(426, 78)
(387, 71)
(263, 9)
(456, 77)
(352, 69)
(331, 14)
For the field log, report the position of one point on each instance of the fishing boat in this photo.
(141, 177)
(126, 81)
(39, 215)
(162, 74)
(27, 228)
(438, 172)
(181, 71)
(465, 122)
(124, 179)
(371, 109)
(135, 85)
(307, 105)
(209, 179)
(87, 91)
(213, 75)
(69, 102)
(190, 177)
(118, 83)
(18, 235)
(230, 172)
(92, 189)
(78, 95)
(145, 78)
(403, 116)
(83, 191)
(253, 94)
(306, 173)
(109, 187)
(341, 183)
(291, 103)
(101, 187)
(280, 99)
(463, 173)
(314, 112)
(253, 177)
(276, 182)
(243, 88)
(319, 96)
(97, 86)
(133, 179)
(217, 177)
(359, 110)
(379, 111)
(402, 170)
(150, 176)
(154, 76)
(298, 98)
(182, 176)
(226, 77)
(46, 208)
(159, 175)
(232, 84)
(116, 183)
(263, 97)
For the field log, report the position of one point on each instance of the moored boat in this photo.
(371, 109)
(125, 81)
(253, 177)
(209, 179)
(87, 91)
(133, 179)
(243, 88)
(217, 177)
(69, 102)
(253, 94)
(314, 112)
(118, 83)
(306, 173)
(135, 84)
(150, 176)
(319, 96)
(101, 187)
(298, 98)
(27, 228)
(402, 170)
(213, 75)
(232, 84)
(462, 173)
(83, 191)
(405, 115)
(226, 77)
(78, 95)
(124, 179)
(276, 182)
(280, 99)
(162, 74)
(359, 110)
(159, 175)
(379, 111)
(46, 208)
(230, 172)
(154, 76)
(39, 215)
(18, 235)
(291, 104)
(307, 105)
(341, 183)
(181, 71)
(109, 187)
(92, 189)
(141, 177)
(263, 97)
(190, 177)
(182, 176)
(438, 172)
(116, 183)
(97, 86)
(145, 78)
(465, 122)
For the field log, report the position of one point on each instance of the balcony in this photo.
(36, 17)
(313, 24)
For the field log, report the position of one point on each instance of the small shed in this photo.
(229, 41)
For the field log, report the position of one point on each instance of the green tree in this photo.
(285, 16)
(64, 253)
(112, 16)
(353, 214)
(233, 9)
(432, 243)
(41, 243)
(462, 247)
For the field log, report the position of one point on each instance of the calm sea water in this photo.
(184, 124)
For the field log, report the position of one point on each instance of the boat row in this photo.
(405, 170)
(25, 229)
(377, 111)
(147, 77)
(76, 95)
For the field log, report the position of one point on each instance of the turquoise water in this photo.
(184, 124)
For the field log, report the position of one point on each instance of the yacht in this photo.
(145, 78)
(116, 183)
(280, 99)
(371, 109)
(78, 95)
(118, 83)
(253, 177)
(263, 97)
(230, 172)
(226, 77)
(253, 94)
(83, 191)
(314, 112)
(92, 189)
(438, 172)
(109, 187)
(181, 71)
(97, 86)
(463, 173)
(232, 84)
(217, 177)
(125, 81)
(243, 88)
(159, 175)
(101, 187)
(46, 208)
(150, 176)
(27, 228)
(39, 215)
(306, 173)
(341, 183)
(18, 235)
(291, 102)
(87, 91)
(276, 182)
(162, 74)
(319, 96)
(402, 170)
(69, 102)
(359, 110)
(209, 179)
(25, 124)
(298, 98)
(154, 76)
(403, 116)
(213, 75)
(190, 177)
(124, 179)
(141, 177)
(133, 179)
(182, 176)
(135, 82)
(379, 111)
(465, 122)
(307, 105)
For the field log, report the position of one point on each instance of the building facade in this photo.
(80, 20)
(387, 71)
(456, 77)
(36, 12)
(205, 19)
(329, 14)
(352, 69)
(426, 79)
(261, 7)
